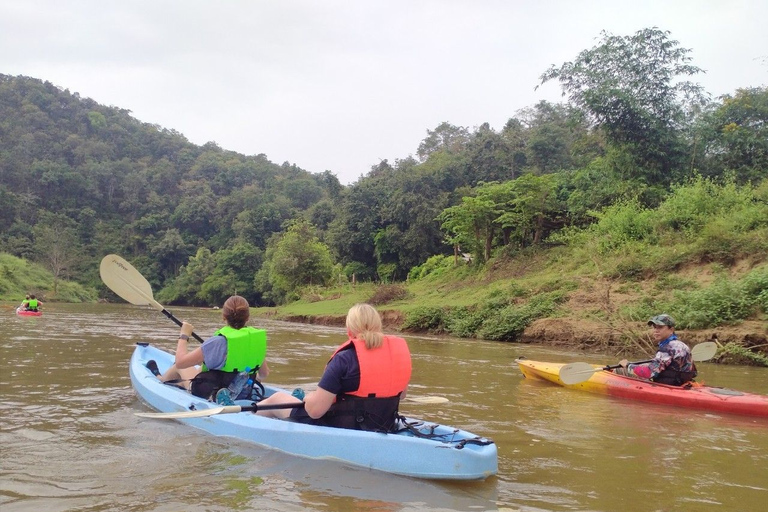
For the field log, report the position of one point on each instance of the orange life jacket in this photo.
(384, 371)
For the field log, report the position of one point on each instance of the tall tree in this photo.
(294, 259)
(57, 245)
(446, 137)
(735, 136)
(631, 88)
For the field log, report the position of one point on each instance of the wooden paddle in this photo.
(575, 373)
(226, 409)
(427, 400)
(129, 284)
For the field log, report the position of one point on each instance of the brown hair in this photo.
(236, 311)
(364, 323)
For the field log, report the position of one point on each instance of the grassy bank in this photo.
(542, 297)
(19, 277)
(702, 256)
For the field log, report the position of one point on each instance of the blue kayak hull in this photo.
(447, 457)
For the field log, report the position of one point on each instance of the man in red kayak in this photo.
(672, 364)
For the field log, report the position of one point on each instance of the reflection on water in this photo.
(71, 442)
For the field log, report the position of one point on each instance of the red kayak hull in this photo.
(22, 312)
(700, 397)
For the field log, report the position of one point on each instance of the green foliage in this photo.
(735, 135)
(426, 318)
(725, 301)
(185, 289)
(464, 321)
(19, 277)
(508, 323)
(294, 259)
(735, 353)
(131, 188)
(360, 271)
(502, 315)
(434, 266)
(620, 224)
(700, 221)
(500, 214)
(631, 87)
(386, 271)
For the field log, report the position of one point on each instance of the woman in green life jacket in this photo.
(31, 303)
(213, 365)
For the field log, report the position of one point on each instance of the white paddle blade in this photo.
(202, 413)
(426, 399)
(126, 281)
(574, 373)
(704, 351)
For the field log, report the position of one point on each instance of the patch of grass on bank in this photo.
(19, 277)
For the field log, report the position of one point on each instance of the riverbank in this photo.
(590, 336)
(590, 312)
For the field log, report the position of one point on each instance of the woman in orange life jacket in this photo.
(213, 365)
(362, 384)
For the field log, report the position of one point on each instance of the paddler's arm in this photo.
(318, 402)
(263, 372)
(185, 358)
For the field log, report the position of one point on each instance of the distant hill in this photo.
(102, 182)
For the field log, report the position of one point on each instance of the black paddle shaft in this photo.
(619, 366)
(179, 323)
(257, 407)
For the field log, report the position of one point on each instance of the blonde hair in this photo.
(364, 323)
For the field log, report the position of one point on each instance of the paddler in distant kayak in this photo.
(362, 384)
(31, 303)
(673, 362)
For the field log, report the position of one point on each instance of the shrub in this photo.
(387, 293)
(463, 321)
(734, 353)
(509, 323)
(435, 265)
(724, 302)
(621, 223)
(427, 318)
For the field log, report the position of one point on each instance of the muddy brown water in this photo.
(70, 440)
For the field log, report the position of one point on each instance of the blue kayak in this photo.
(442, 453)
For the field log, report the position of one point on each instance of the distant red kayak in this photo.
(701, 397)
(22, 312)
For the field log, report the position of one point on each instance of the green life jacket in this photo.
(32, 304)
(246, 348)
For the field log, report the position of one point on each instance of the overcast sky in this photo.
(341, 85)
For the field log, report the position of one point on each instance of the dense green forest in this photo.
(79, 180)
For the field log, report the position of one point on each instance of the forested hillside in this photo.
(79, 180)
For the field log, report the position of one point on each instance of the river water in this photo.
(70, 440)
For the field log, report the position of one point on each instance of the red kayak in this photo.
(706, 398)
(24, 312)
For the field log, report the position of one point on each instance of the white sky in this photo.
(340, 85)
